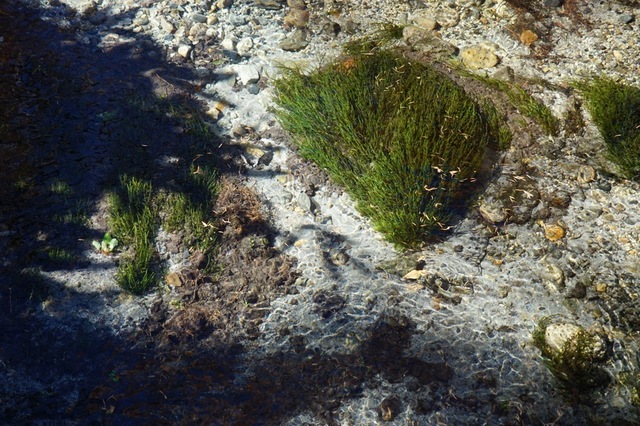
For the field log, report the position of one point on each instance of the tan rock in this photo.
(601, 287)
(554, 232)
(528, 37)
(420, 39)
(220, 106)
(173, 279)
(213, 113)
(447, 17)
(479, 57)
(492, 212)
(552, 276)
(425, 21)
(586, 174)
(415, 275)
(296, 41)
(184, 50)
(297, 18)
(504, 73)
(413, 34)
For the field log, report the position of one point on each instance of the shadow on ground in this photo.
(76, 116)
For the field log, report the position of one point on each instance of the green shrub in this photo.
(615, 109)
(403, 140)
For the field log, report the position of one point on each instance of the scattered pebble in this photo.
(244, 46)
(184, 50)
(554, 232)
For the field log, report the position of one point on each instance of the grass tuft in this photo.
(133, 219)
(401, 138)
(388, 32)
(615, 109)
(521, 100)
(192, 210)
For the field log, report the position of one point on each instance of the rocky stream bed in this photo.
(311, 317)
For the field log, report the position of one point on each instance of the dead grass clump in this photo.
(238, 210)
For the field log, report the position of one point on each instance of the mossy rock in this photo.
(404, 140)
(573, 354)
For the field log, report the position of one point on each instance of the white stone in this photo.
(228, 44)
(184, 50)
(244, 46)
(557, 335)
(247, 74)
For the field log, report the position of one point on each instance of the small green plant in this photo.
(107, 245)
(385, 33)
(130, 204)
(114, 376)
(133, 218)
(76, 214)
(23, 184)
(401, 138)
(60, 187)
(498, 125)
(135, 271)
(615, 109)
(191, 210)
(388, 31)
(108, 116)
(59, 256)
